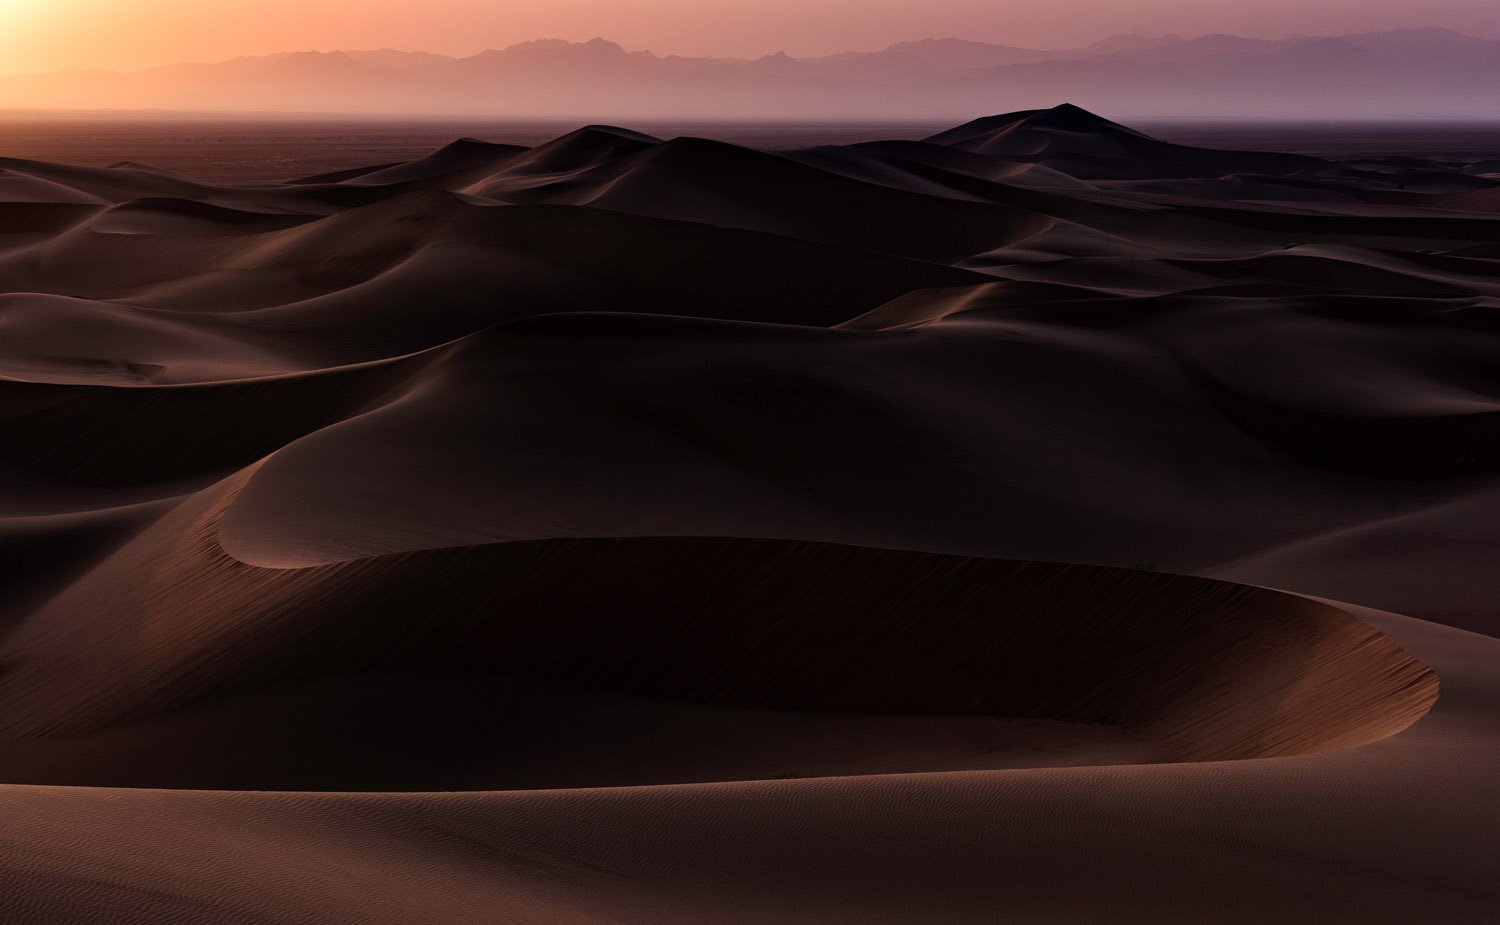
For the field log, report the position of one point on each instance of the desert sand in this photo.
(1039, 522)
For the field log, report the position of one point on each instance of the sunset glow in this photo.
(58, 34)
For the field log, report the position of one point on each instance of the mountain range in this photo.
(1412, 73)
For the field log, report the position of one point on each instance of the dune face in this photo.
(630, 529)
(1197, 669)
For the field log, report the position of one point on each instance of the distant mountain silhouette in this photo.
(1411, 73)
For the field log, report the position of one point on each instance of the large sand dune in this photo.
(653, 530)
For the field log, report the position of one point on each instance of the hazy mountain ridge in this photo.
(1413, 73)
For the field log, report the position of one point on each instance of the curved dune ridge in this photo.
(636, 529)
(1197, 670)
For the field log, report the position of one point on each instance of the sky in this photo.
(47, 35)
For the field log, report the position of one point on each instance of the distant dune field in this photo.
(1032, 520)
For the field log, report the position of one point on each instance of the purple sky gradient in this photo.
(44, 35)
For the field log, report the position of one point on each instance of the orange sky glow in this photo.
(47, 35)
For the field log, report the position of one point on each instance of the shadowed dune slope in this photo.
(1204, 670)
(1081, 144)
(649, 530)
(684, 179)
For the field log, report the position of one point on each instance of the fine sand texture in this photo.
(1006, 526)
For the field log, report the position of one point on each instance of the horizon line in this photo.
(615, 120)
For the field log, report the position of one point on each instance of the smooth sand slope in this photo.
(653, 530)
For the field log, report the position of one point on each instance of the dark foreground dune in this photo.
(639, 530)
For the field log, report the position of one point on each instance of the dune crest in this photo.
(636, 529)
(1202, 670)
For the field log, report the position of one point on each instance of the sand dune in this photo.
(1083, 145)
(653, 530)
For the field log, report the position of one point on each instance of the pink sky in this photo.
(43, 35)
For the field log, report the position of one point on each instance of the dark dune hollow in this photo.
(638, 530)
(1199, 670)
